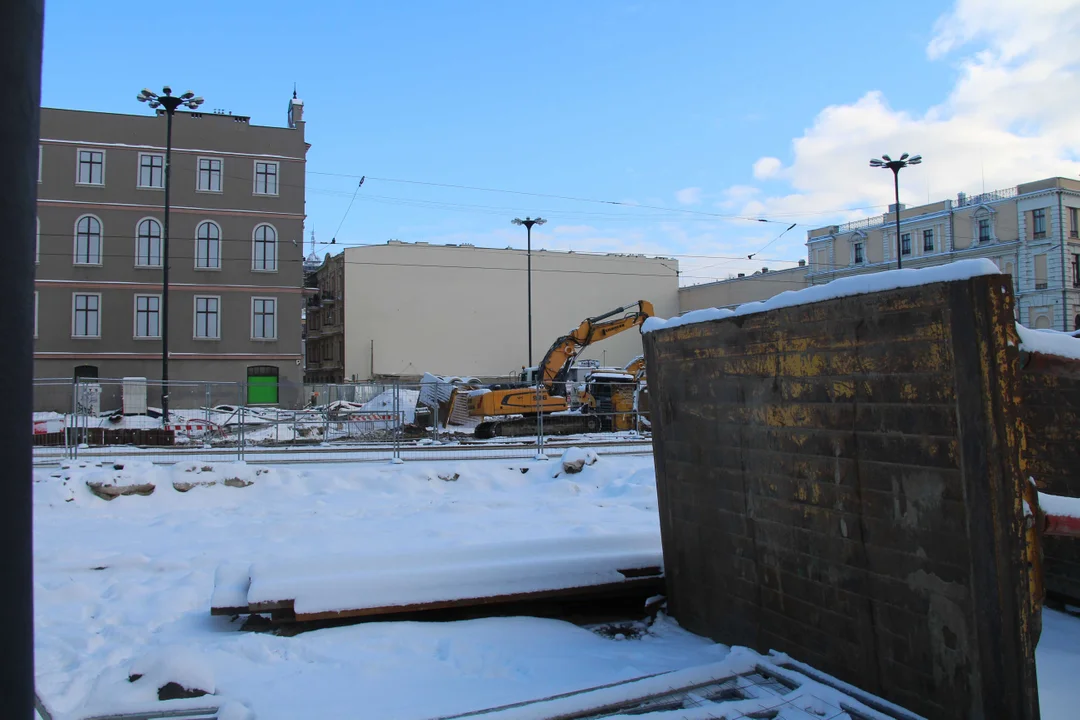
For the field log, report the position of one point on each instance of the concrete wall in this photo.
(841, 481)
(463, 310)
(1050, 405)
(731, 293)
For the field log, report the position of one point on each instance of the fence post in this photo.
(74, 420)
(539, 426)
(396, 413)
(240, 418)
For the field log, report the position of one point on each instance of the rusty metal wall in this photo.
(1050, 407)
(840, 481)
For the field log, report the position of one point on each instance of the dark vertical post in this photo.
(21, 23)
(896, 187)
(165, 274)
(528, 261)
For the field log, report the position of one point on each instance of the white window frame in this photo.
(39, 155)
(198, 255)
(101, 242)
(220, 174)
(258, 298)
(135, 317)
(139, 169)
(277, 177)
(78, 167)
(1074, 220)
(1038, 214)
(138, 237)
(195, 317)
(35, 313)
(858, 248)
(74, 315)
(37, 242)
(269, 261)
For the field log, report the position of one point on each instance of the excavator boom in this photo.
(560, 356)
(549, 394)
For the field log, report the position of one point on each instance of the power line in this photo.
(333, 238)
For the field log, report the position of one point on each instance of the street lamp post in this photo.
(895, 165)
(528, 223)
(170, 103)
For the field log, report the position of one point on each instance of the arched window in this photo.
(88, 241)
(208, 246)
(148, 243)
(264, 249)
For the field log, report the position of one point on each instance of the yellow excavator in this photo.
(549, 394)
(618, 399)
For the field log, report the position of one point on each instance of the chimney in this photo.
(742, 274)
(892, 207)
(764, 270)
(802, 263)
(296, 112)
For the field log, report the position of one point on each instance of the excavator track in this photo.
(526, 426)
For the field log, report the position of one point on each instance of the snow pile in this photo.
(337, 582)
(1049, 342)
(843, 287)
(174, 663)
(116, 580)
(384, 403)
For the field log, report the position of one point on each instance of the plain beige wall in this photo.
(752, 288)
(463, 310)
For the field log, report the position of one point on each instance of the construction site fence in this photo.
(102, 420)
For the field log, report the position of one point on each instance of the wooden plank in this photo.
(636, 584)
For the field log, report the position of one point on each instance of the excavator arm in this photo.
(560, 356)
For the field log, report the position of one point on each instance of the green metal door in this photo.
(262, 386)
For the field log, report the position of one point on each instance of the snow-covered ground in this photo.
(124, 586)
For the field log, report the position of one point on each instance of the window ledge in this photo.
(147, 267)
(145, 337)
(207, 269)
(85, 184)
(150, 187)
(257, 339)
(205, 339)
(85, 337)
(210, 192)
(256, 270)
(79, 264)
(258, 194)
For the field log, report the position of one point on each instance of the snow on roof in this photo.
(844, 287)
(1049, 342)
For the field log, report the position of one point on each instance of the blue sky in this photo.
(750, 109)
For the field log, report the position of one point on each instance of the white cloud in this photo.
(767, 167)
(689, 196)
(1010, 118)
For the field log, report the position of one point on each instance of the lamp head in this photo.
(167, 90)
(915, 160)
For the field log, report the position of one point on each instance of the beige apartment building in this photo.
(409, 308)
(1030, 231)
(236, 229)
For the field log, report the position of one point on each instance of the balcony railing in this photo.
(861, 224)
(964, 200)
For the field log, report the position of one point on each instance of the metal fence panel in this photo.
(387, 421)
